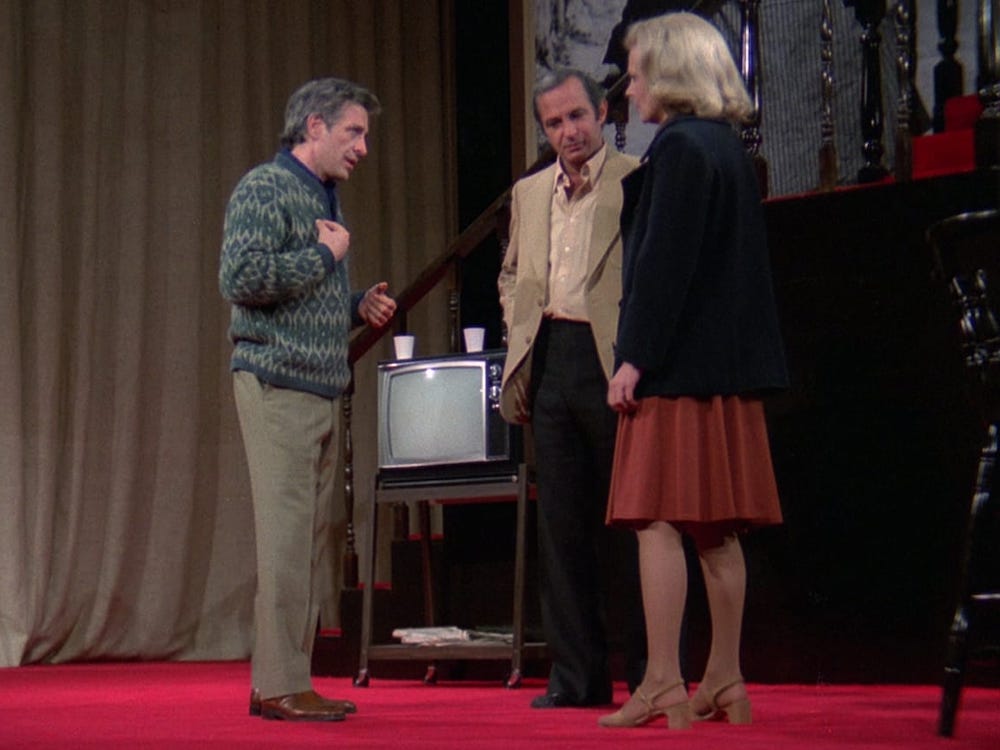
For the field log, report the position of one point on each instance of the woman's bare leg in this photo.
(663, 574)
(724, 569)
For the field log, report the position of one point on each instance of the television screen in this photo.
(435, 414)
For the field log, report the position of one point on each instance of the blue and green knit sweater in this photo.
(292, 305)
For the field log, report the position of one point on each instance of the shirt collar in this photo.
(590, 172)
(329, 188)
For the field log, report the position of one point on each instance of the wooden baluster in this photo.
(828, 169)
(904, 74)
(503, 236)
(400, 511)
(988, 84)
(750, 70)
(620, 138)
(454, 306)
(948, 70)
(618, 111)
(350, 550)
(870, 14)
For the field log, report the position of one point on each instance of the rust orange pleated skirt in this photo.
(694, 460)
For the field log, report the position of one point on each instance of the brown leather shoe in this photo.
(304, 706)
(346, 707)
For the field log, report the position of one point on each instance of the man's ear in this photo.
(315, 126)
(602, 112)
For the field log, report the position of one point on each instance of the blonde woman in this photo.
(697, 347)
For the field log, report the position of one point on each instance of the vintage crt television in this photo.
(439, 420)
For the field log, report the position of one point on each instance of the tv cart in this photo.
(474, 490)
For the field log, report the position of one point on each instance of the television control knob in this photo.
(496, 371)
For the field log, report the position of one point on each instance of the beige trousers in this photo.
(291, 443)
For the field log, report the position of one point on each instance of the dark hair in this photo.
(559, 76)
(325, 97)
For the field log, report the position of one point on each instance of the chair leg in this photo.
(954, 670)
(957, 655)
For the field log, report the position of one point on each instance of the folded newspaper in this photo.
(448, 635)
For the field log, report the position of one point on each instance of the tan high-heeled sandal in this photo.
(737, 711)
(678, 714)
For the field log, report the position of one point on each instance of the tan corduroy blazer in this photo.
(524, 275)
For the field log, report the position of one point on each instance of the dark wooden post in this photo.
(828, 168)
(503, 237)
(948, 70)
(454, 309)
(750, 70)
(870, 14)
(618, 110)
(904, 75)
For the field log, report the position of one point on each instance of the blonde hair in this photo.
(689, 68)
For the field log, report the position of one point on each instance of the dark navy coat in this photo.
(698, 314)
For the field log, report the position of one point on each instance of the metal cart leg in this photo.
(368, 596)
(514, 680)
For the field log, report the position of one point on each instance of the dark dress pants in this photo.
(580, 557)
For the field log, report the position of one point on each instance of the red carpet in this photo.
(194, 705)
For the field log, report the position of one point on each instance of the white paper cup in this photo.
(404, 345)
(474, 337)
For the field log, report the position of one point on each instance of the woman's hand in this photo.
(621, 388)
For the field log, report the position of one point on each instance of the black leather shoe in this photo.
(554, 700)
(345, 707)
(561, 700)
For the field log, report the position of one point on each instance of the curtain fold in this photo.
(127, 529)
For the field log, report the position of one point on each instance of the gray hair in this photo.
(689, 68)
(327, 98)
(559, 76)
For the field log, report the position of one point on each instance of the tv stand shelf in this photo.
(495, 488)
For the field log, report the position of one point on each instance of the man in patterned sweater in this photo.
(284, 269)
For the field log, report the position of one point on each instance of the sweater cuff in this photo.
(326, 254)
(356, 319)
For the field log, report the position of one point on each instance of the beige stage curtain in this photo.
(125, 522)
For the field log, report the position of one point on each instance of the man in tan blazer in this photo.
(560, 284)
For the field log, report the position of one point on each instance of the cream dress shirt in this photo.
(569, 240)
